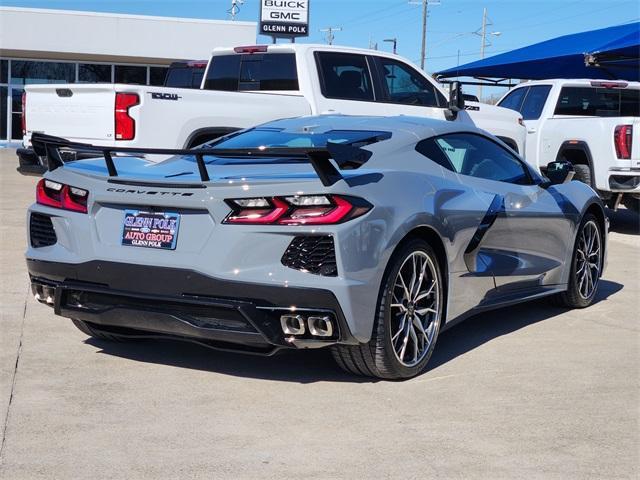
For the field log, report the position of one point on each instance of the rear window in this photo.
(253, 72)
(344, 76)
(529, 101)
(184, 77)
(278, 138)
(598, 102)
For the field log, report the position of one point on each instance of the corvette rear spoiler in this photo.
(346, 157)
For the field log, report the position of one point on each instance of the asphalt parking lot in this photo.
(532, 391)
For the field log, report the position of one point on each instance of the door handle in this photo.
(532, 130)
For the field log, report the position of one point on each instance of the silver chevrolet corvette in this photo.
(365, 235)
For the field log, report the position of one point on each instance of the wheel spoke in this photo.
(400, 328)
(427, 293)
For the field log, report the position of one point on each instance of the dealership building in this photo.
(61, 46)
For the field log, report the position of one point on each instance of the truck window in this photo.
(252, 72)
(513, 100)
(597, 102)
(184, 77)
(344, 76)
(402, 84)
(534, 102)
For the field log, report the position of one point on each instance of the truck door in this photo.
(531, 110)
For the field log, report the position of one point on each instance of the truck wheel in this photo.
(92, 331)
(409, 313)
(632, 203)
(583, 174)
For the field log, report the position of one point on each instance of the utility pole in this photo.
(425, 14)
(486, 22)
(393, 40)
(329, 31)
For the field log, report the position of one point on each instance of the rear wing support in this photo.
(346, 157)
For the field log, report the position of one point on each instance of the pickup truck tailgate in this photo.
(81, 112)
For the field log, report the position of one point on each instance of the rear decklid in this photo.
(83, 112)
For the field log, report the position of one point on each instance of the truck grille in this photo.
(41, 231)
(313, 254)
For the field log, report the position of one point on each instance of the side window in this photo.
(534, 102)
(630, 103)
(344, 76)
(406, 86)
(477, 156)
(236, 73)
(588, 102)
(514, 99)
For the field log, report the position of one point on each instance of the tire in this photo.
(90, 330)
(583, 174)
(580, 294)
(632, 203)
(384, 356)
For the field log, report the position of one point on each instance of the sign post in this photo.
(284, 18)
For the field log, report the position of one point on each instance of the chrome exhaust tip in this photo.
(292, 324)
(320, 326)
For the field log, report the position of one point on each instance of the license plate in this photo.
(150, 229)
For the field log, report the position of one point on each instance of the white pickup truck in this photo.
(246, 86)
(590, 123)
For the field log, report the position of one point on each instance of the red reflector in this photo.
(623, 138)
(251, 49)
(23, 118)
(125, 126)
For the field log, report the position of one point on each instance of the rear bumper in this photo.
(138, 300)
(29, 163)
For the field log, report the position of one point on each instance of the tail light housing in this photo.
(296, 210)
(623, 138)
(58, 195)
(23, 118)
(125, 125)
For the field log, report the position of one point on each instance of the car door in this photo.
(530, 102)
(405, 91)
(525, 236)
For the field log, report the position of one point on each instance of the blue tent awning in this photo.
(608, 53)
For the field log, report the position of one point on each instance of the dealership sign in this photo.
(284, 18)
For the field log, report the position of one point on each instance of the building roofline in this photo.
(55, 11)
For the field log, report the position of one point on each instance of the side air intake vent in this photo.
(312, 254)
(41, 231)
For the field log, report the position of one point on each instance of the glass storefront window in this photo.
(157, 76)
(4, 67)
(16, 113)
(94, 73)
(131, 74)
(4, 91)
(27, 72)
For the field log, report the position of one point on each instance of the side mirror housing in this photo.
(456, 101)
(559, 172)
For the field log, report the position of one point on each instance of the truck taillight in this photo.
(125, 126)
(23, 119)
(623, 141)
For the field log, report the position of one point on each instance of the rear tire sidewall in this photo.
(400, 370)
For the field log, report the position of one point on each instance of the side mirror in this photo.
(559, 172)
(456, 101)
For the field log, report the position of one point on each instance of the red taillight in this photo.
(251, 49)
(58, 195)
(623, 141)
(296, 210)
(125, 126)
(602, 84)
(24, 113)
